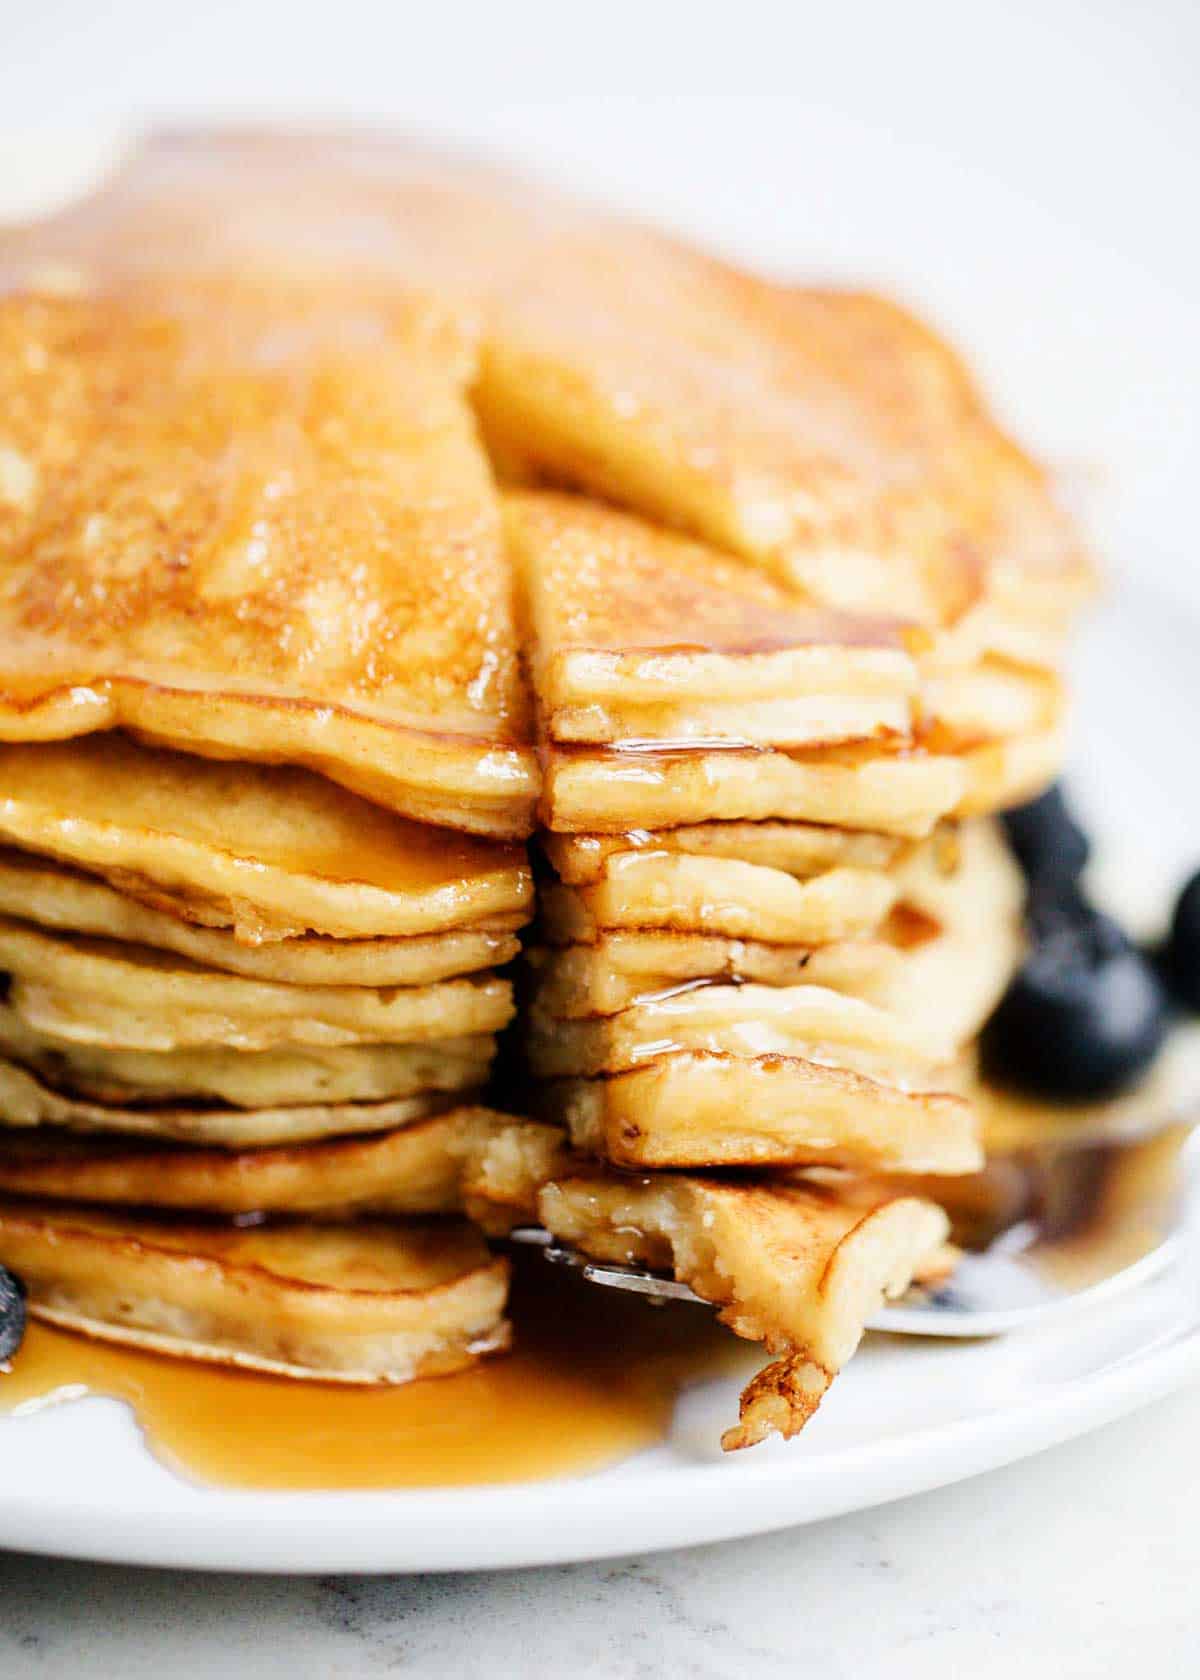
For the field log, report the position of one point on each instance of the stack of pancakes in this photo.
(236, 985)
(422, 514)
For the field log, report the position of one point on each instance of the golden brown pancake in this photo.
(639, 636)
(671, 891)
(29, 1099)
(940, 959)
(283, 554)
(66, 900)
(827, 437)
(800, 849)
(359, 1303)
(703, 1108)
(271, 852)
(580, 981)
(131, 997)
(588, 790)
(796, 1267)
(656, 1062)
(805, 1020)
(297, 1076)
(465, 1160)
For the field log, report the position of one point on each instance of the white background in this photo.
(1026, 173)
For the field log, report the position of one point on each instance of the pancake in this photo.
(65, 900)
(299, 1076)
(272, 550)
(939, 961)
(800, 849)
(825, 436)
(465, 1160)
(27, 1101)
(702, 1108)
(684, 894)
(639, 636)
(611, 791)
(794, 1267)
(359, 1303)
(130, 997)
(270, 852)
(706, 1073)
(812, 1022)
(618, 968)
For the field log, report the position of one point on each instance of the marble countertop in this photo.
(1082, 1561)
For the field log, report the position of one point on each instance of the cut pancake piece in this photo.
(467, 1160)
(826, 436)
(820, 1026)
(129, 997)
(28, 1101)
(696, 1108)
(268, 549)
(900, 793)
(682, 894)
(55, 896)
(800, 849)
(369, 1302)
(268, 851)
(938, 963)
(641, 636)
(792, 1266)
(298, 1076)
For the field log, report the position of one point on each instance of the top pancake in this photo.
(829, 438)
(256, 547)
(337, 303)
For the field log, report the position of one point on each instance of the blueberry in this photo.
(1181, 959)
(1048, 841)
(12, 1314)
(1084, 1016)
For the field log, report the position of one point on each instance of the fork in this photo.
(1109, 1218)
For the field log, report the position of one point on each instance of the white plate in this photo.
(906, 1416)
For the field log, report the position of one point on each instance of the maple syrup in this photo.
(594, 1378)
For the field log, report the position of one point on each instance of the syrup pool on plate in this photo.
(594, 1377)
